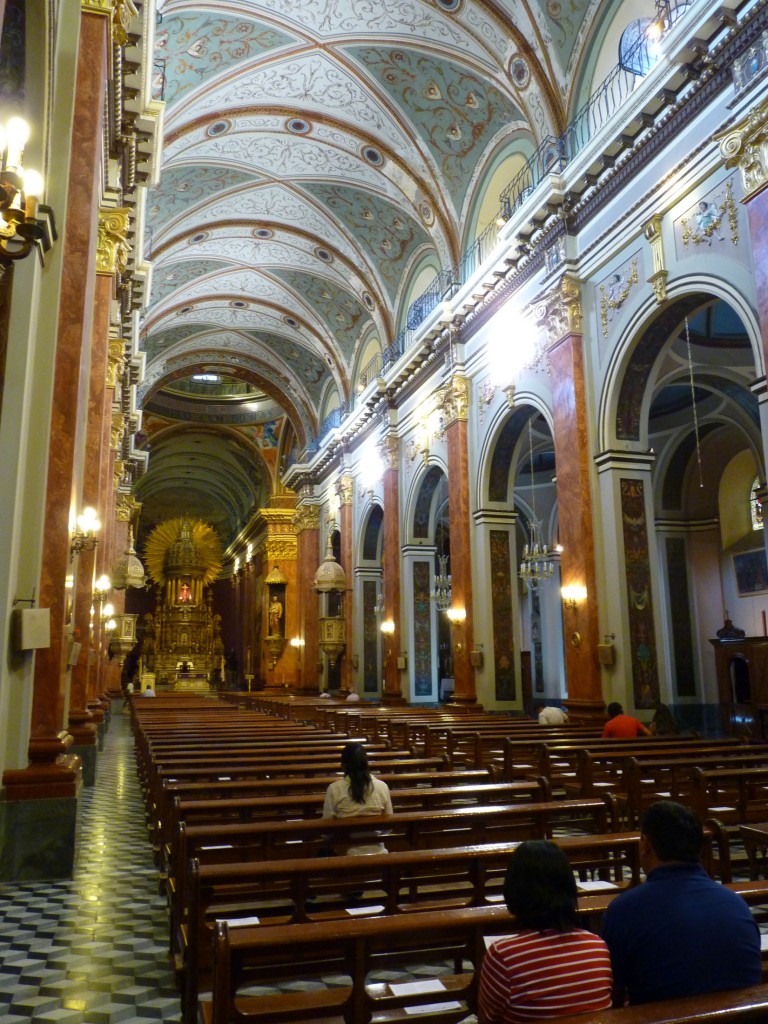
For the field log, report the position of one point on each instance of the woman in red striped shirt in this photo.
(549, 967)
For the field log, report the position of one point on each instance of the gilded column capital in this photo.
(560, 313)
(456, 399)
(126, 508)
(345, 488)
(306, 517)
(111, 248)
(745, 145)
(117, 473)
(117, 430)
(115, 362)
(658, 279)
(389, 448)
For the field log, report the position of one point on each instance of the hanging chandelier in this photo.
(441, 591)
(538, 561)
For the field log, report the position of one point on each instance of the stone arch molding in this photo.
(414, 491)
(685, 295)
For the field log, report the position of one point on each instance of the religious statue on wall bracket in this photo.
(275, 585)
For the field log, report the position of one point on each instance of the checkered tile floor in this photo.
(93, 950)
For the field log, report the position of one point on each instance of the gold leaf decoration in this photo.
(166, 535)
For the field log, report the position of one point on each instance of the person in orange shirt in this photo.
(622, 727)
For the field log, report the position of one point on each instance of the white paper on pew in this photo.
(724, 807)
(763, 943)
(225, 778)
(239, 922)
(495, 898)
(663, 793)
(432, 1007)
(489, 939)
(417, 988)
(225, 846)
(357, 911)
(596, 886)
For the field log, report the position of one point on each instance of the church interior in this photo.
(395, 359)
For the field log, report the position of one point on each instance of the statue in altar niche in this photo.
(275, 616)
(183, 558)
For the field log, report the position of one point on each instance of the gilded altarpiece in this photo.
(501, 592)
(642, 639)
(370, 638)
(422, 632)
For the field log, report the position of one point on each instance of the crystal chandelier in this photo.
(441, 591)
(538, 561)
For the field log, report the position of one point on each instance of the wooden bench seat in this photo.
(738, 1006)
(738, 796)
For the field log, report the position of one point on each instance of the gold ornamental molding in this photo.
(117, 473)
(111, 248)
(120, 13)
(655, 238)
(306, 517)
(117, 430)
(560, 312)
(746, 146)
(389, 449)
(281, 549)
(115, 362)
(126, 508)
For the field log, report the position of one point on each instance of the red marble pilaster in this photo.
(392, 691)
(81, 720)
(308, 561)
(577, 561)
(54, 768)
(345, 515)
(462, 631)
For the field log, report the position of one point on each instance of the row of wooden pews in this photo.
(260, 889)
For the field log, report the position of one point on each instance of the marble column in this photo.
(560, 315)
(82, 722)
(45, 793)
(392, 692)
(307, 523)
(455, 405)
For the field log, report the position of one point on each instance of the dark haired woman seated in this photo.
(549, 967)
(358, 794)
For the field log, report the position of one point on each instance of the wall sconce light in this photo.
(84, 536)
(107, 611)
(296, 641)
(388, 626)
(20, 191)
(457, 615)
(110, 625)
(573, 594)
(101, 587)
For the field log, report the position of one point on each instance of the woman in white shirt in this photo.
(358, 794)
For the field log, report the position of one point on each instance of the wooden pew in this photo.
(410, 830)
(315, 889)
(736, 795)
(738, 1006)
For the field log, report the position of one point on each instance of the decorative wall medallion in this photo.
(519, 72)
(615, 291)
(263, 233)
(714, 218)
(449, 5)
(298, 126)
(485, 395)
(372, 156)
(751, 65)
(200, 236)
(220, 127)
(291, 321)
(324, 255)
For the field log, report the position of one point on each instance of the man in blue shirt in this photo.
(681, 933)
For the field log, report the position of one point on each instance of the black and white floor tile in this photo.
(93, 950)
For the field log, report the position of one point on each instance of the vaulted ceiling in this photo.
(318, 155)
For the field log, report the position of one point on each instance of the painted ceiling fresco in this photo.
(317, 154)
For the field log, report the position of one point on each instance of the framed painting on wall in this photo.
(751, 570)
